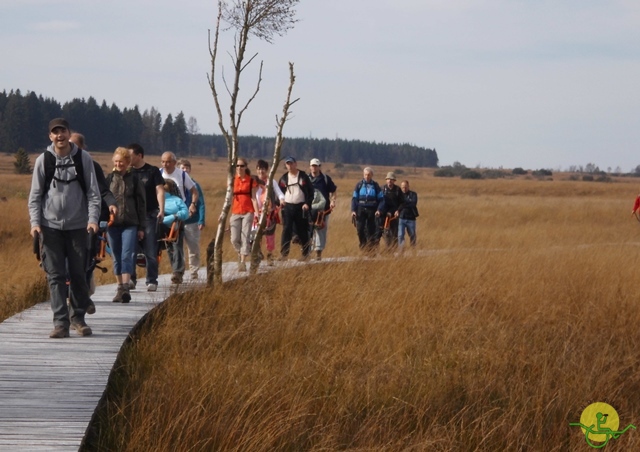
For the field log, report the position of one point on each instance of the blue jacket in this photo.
(366, 194)
(174, 209)
(198, 217)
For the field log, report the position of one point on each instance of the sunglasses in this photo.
(241, 166)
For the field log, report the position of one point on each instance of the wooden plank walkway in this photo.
(50, 388)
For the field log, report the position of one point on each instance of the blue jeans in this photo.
(150, 248)
(57, 247)
(410, 227)
(123, 242)
(320, 235)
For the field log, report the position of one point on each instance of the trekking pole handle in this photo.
(36, 244)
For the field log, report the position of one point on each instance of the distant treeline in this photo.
(24, 120)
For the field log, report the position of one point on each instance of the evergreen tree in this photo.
(168, 135)
(22, 165)
(182, 136)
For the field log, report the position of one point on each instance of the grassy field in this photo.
(519, 309)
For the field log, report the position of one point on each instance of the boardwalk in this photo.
(38, 409)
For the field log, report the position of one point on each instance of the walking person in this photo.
(153, 182)
(407, 214)
(392, 198)
(366, 198)
(194, 224)
(64, 205)
(271, 204)
(175, 210)
(107, 206)
(184, 183)
(324, 184)
(128, 224)
(298, 197)
(243, 208)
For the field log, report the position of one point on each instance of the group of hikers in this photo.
(139, 206)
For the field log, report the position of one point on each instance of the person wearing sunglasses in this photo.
(243, 209)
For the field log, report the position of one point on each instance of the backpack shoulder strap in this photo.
(49, 170)
(184, 187)
(77, 161)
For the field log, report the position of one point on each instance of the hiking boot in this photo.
(131, 285)
(242, 267)
(176, 278)
(152, 287)
(59, 332)
(319, 255)
(126, 296)
(82, 328)
(91, 308)
(194, 275)
(119, 293)
(270, 262)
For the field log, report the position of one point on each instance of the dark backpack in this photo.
(50, 167)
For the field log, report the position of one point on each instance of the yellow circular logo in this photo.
(597, 416)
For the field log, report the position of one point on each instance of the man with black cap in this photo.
(298, 196)
(64, 205)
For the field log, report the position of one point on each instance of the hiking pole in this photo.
(37, 246)
(90, 250)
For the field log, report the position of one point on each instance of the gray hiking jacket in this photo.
(64, 206)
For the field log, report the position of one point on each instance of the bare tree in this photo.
(280, 121)
(263, 19)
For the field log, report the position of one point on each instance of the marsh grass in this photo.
(518, 310)
(460, 351)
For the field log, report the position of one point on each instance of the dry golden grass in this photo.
(520, 310)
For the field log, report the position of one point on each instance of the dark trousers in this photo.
(150, 248)
(292, 214)
(64, 251)
(367, 227)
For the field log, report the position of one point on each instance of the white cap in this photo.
(315, 162)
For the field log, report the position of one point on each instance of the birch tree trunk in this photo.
(280, 122)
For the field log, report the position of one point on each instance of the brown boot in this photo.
(270, 260)
(119, 293)
(126, 296)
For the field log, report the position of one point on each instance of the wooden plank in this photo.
(50, 388)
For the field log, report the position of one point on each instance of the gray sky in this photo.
(536, 84)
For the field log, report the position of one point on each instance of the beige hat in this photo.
(391, 176)
(315, 162)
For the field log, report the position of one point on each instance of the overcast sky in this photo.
(535, 84)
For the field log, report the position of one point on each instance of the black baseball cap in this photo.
(58, 122)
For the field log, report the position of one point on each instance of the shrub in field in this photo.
(471, 174)
(493, 174)
(444, 172)
(519, 171)
(542, 172)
